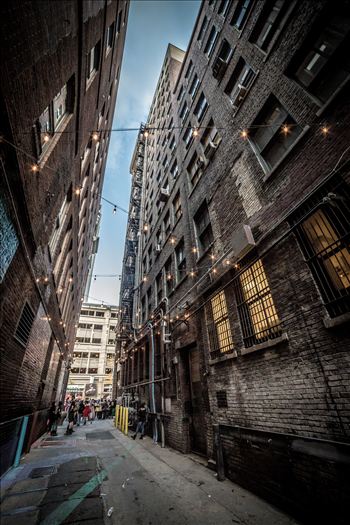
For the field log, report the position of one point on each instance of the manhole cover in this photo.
(100, 435)
(42, 471)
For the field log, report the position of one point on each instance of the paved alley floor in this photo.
(98, 475)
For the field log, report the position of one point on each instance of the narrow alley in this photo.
(83, 476)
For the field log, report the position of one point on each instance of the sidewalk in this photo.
(99, 468)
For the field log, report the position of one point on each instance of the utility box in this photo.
(242, 240)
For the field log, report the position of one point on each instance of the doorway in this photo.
(196, 408)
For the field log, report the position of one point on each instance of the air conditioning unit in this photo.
(164, 194)
(210, 149)
(239, 96)
(242, 240)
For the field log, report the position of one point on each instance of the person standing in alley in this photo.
(80, 411)
(86, 413)
(141, 420)
(70, 416)
(52, 420)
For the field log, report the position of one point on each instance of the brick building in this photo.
(94, 352)
(240, 337)
(60, 68)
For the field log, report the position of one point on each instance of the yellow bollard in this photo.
(122, 420)
(116, 416)
(126, 427)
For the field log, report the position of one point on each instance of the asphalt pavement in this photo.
(98, 475)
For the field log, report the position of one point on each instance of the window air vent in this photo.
(25, 325)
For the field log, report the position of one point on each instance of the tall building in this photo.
(91, 375)
(240, 336)
(60, 68)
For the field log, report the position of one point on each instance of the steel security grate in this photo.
(25, 324)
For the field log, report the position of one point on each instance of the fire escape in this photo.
(125, 329)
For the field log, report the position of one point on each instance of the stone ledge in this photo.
(225, 357)
(268, 344)
(336, 321)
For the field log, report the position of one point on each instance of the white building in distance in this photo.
(94, 352)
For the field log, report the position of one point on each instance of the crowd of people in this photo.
(76, 412)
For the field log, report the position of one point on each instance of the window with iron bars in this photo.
(324, 238)
(257, 312)
(219, 329)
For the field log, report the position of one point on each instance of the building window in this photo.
(91, 371)
(224, 7)
(202, 29)
(324, 238)
(189, 69)
(181, 94)
(167, 224)
(240, 82)
(184, 112)
(177, 206)
(93, 62)
(195, 169)
(194, 86)
(168, 277)
(25, 324)
(219, 329)
(222, 60)
(188, 136)
(53, 115)
(270, 22)
(241, 13)
(210, 140)
(277, 133)
(180, 259)
(99, 314)
(174, 170)
(201, 107)
(96, 340)
(209, 46)
(8, 237)
(97, 326)
(94, 355)
(257, 312)
(109, 38)
(321, 66)
(221, 399)
(203, 228)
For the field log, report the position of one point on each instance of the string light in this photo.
(46, 137)
(114, 210)
(285, 129)
(195, 132)
(192, 273)
(325, 130)
(244, 134)
(172, 240)
(145, 133)
(77, 190)
(194, 249)
(34, 168)
(95, 136)
(145, 227)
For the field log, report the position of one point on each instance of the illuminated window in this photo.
(324, 238)
(219, 329)
(256, 308)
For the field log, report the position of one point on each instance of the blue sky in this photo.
(151, 26)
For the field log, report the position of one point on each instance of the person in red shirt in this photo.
(86, 413)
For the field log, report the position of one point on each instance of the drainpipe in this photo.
(151, 386)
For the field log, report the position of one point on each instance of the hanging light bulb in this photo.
(169, 277)
(77, 191)
(195, 132)
(194, 249)
(192, 273)
(145, 227)
(244, 134)
(95, 136)
(285, 129)
(70, 280)
(46, 137)
(34, 168)
(172, 240)
(236, 265)
(114, 210)
(144, 279)
(227, 262)
(145, 133)
(325, 130)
